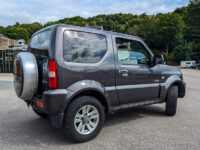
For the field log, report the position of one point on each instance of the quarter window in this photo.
(131, 52)
(82, 47)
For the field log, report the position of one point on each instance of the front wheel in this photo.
(171, 101)
(83, 119)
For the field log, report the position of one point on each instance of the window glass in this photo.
(131, 52)
(82, 47)
(41, 40)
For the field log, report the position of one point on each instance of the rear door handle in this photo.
(123, 72)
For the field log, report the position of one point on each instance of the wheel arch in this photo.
(87, 88)
(173, 80)
(181, 88)
(93, 93)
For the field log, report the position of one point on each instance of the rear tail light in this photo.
(52, 74)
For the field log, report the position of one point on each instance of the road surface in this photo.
(141, 128)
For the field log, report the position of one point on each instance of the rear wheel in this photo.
(171, 101)
(83, 119)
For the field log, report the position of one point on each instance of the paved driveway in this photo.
(141, 128)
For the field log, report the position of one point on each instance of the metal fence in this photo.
(7, 59)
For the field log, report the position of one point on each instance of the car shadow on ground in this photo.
(133, 114)
(32, 130)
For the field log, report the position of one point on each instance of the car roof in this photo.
(87, 28)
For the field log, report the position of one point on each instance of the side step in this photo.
(136, 104)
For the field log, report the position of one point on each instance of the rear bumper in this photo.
(53, 102)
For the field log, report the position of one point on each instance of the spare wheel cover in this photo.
(25, 75)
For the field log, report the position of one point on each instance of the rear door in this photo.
(135, 79)
(40, 47)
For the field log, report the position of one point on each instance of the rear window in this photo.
(82, 47)
(41, 40)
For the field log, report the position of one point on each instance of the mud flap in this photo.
(57, 121)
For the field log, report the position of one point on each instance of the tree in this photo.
(193, 51)
(16, 24)
(181, 11)
(192, 30)
(31, 28)
(16, 33)
(120, 28)
(1, 29)
(179, 53)
(169, 29)
(51, 23)
(144, 27)
(77, 19)
(192, 20)
(175, 34)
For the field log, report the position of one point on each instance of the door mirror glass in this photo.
(158, 59)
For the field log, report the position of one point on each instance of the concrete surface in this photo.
(141, 128)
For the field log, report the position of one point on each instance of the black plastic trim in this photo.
(53, 101)
(136, 104)
(57, 120)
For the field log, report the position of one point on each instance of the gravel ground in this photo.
(140, 128)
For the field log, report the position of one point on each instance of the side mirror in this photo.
(158, 59)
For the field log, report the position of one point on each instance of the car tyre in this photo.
(171, 101)
(78, 116)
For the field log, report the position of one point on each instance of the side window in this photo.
(82, 47)
(41, 40)
(131, 52)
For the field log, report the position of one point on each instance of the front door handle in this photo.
(124, 73)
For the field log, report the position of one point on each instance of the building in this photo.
(6, 42)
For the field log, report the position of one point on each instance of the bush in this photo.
(178, 53)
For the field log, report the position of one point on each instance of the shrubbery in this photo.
(176, 34)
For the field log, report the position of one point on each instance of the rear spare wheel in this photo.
(25, 75)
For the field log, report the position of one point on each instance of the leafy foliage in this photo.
(176, 34)
(1, 29)
(31, 28)
(16, 33)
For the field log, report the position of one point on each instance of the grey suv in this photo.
(76, 75)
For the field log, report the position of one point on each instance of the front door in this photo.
(135, 79)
